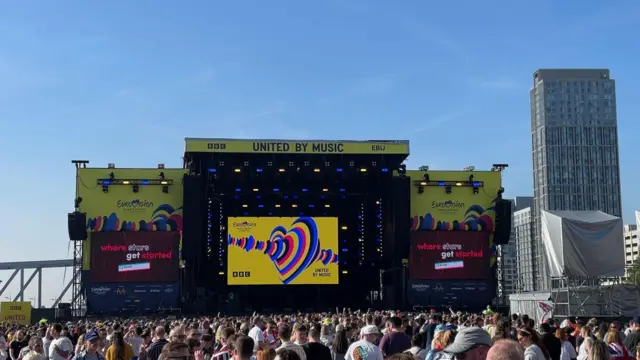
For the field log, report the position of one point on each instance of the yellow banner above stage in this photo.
(400, 147)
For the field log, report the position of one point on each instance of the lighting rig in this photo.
(448, 185)
(134, 183)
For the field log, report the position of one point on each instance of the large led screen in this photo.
(452, 255)
(136, 256)
(282, 251)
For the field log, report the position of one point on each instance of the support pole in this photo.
(21, 284)
(39, 287)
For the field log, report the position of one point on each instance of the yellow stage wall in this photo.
(120, 209)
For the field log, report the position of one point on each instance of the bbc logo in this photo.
(216, 146)
(241, 274)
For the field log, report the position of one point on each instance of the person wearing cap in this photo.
(429, 330)
(91, 347)
(470, 343)
(632, 340)
(364, 349)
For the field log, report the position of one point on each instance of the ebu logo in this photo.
(241, 274)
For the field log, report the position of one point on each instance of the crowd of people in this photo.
(374, 335)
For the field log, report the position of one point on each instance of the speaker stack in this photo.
(503, 222)
(77, 224)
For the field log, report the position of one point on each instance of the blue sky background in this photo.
(126, 81)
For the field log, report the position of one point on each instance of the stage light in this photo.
(245, 205)
(270, 213)
(144, 182)
(125, 182)
(165, 189)
(344, 272)
(345, 250)
(402, 170)
(259, 170)
(212, 170)
(339, 169)
(342, 190)
(135, 188)
(316, 170)
(221, 273)
(236, 170)
(276, 190)
(311, 206)
(260, 206)
(420, 190)
(380, 248)
(112, 176)
(294, 205)
(236, 197)
(106, 182)
(238, 190)
(440, 183)
(164, 182)
(423, 183)
(325, 190)
(105, 188)
(255, 190)
(344, 228)
(361, 236)
(277, 205)
(476, 190)
(426, 177)
(327, 205)
(305, 190)
(459, 184)
(385, 169)
(363, 170)
(281, 170)
(447, 189)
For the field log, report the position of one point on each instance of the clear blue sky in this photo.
(126, 81)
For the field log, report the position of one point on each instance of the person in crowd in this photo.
(585, 347)
(534, 349)
(617, 349)
(441, 340)
(271, 335)
(226, 351)
(257, 334)
(46, 341)
(567, 351)
(134, 338)
(208, 345)
(119, 350)
(470, 343)
(61, 347)
(157, 344)
(314, 349)
(326, 338)
(174, 350)
(395, 341)
(637, 353)
(301, 333)
(602, 331)
(287, 354)
(505, 349)
(551, 343)
(36, 350)
(266, 353)
(501, 330)
(193, 344)
(284, 333)
(632, 340)
(243, 348)
(18, 343)
(340, 344)
(91, 349)
(364, 349)
(4, 354)
(599, 351)
(416, 347)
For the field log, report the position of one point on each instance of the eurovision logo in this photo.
(135, 205)
(102, 290)
(244, 225)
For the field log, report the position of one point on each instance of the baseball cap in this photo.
(369, 329)
(468, 338)
(91, 335)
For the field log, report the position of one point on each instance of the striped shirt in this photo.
(155, 349)
(222, 354)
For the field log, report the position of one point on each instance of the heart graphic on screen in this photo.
(294, 249)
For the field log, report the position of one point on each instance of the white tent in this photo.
(583, 243)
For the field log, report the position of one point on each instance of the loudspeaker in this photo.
(77, 223)
(502, 232)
